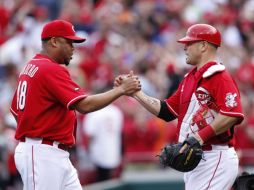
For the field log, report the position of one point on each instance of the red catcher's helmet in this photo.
(202, 32)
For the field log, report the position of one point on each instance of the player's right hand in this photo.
(120, 78)
(129, 84)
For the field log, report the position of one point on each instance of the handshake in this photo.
(128, 84)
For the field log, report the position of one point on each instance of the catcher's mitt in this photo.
(183, 162)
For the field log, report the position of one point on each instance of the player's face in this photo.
(193, 52)
(65, 50)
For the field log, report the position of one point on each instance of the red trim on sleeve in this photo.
(13, 112)
(75, 100)
(234, 114)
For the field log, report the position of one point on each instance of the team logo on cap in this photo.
(73, 28)
(230, 100)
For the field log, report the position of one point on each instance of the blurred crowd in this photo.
(124, 35)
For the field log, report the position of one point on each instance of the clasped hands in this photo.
(128, 83)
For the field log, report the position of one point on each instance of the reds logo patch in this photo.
(230, 100)
(203, 95)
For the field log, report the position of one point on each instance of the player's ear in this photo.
(53, 42)
(203, 45)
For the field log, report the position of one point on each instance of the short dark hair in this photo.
(215, 46)
(46, 39)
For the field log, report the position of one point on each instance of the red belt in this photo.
(209, 147)
(50, 142)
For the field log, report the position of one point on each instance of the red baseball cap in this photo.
(60, 28)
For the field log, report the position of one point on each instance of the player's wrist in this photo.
(206, 133)
(137, 94)
(119, 90)
(199, 139)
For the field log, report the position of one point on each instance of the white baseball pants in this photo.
(45, 167)
(218, 171)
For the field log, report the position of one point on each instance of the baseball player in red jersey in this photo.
(207, 105)
(44, 106)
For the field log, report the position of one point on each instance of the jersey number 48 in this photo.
(21, 95)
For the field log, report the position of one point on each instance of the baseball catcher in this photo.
(208, 107)
(185, 160)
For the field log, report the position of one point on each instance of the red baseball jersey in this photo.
(201, 96)
(43, 99)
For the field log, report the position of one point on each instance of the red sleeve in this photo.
(174, 101)
(60, 85)
(13, 108)
(227, 96)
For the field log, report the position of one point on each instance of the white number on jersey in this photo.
(21, 95)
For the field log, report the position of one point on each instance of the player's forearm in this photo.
(153, 105)
(222, 123)
(219, 125)
(95, 102)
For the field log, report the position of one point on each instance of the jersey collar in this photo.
(199, 73)
(42, 56)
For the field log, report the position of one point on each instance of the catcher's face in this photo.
(193, 52)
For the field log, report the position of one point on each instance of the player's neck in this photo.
(49, 55)
(206, 59)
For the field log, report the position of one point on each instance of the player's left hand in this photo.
(191, 141)
(183, 161)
